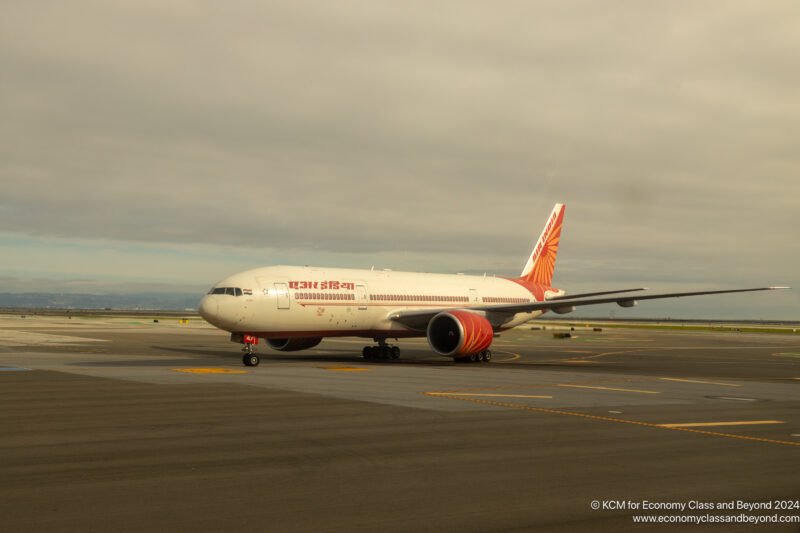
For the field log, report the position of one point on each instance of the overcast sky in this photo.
(168, 144)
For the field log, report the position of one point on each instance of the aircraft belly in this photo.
(521, 318)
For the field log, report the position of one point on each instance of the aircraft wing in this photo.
(419, 319)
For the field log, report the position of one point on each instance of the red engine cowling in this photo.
(459, 333)
(293, 345)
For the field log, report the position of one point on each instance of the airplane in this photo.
(293, 308)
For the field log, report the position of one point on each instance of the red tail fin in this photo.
(542, 262)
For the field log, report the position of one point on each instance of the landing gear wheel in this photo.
(381, 351)
(482, 356)
(473, 357)
(487, 356)
(250, 359)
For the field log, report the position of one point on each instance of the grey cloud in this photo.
(15, 285)
(670, 130)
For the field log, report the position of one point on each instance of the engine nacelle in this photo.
(627, 303)
(293, 345)
(459, 333)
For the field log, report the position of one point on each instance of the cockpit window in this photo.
(232, 291)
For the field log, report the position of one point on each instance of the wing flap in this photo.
(588, 294)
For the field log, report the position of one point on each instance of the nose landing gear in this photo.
(250, 358)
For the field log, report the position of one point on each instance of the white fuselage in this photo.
(291, 302)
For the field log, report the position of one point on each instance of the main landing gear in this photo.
(250, 358)
(480, 357)
(381, 351)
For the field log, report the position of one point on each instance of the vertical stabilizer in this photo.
(542, 262)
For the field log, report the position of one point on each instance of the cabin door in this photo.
(473, 297)
(282, 294)
(361, 297)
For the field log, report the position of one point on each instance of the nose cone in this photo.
(209, 309)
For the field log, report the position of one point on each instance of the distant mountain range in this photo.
(151, 301)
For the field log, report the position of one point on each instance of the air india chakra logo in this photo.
(544, 262)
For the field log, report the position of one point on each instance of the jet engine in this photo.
(459, 333)
(293, 345)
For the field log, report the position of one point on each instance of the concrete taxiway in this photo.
(127, 424)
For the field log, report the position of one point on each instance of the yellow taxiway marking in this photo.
(709, 424)
(346, 369)
(209, 370)
(787, 354)
(586, 358)
(523, 407)
(579, 361)
(607, 388)
(703, 382)
(514, 357)
(488, 395)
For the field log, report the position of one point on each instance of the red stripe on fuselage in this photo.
(323, 303)
(536, 289)
(370, 333)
